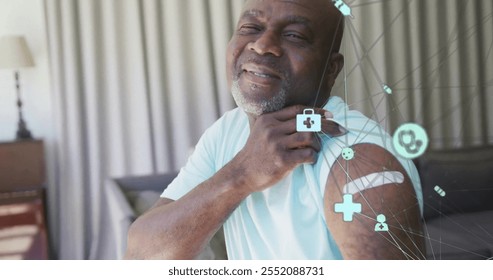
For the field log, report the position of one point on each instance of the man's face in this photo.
(278, 53)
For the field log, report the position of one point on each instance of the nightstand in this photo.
(23, 232)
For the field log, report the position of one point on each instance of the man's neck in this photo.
(251, 120)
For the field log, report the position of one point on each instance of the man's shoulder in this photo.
(231, 126)
(232, 121)
(234, 115)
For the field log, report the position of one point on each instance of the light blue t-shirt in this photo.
(287, 220)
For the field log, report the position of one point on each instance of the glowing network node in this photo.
(440, 191)
(347, 153)
(343, 7)
(387, 89)
(410, 141)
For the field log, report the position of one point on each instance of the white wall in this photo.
(26, 17)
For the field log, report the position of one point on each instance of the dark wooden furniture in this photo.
(23, 232)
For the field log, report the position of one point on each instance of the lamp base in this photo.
(22, 132)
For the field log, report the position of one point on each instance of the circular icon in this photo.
(347, 153)
(410, 141)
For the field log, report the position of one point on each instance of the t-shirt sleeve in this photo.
(199, 167)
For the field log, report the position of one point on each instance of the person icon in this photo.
(381, 225)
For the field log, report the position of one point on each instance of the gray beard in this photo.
(275, 103)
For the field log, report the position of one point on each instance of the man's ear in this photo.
(336, 63)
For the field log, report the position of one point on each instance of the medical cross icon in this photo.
(348, 208)
(309, 123)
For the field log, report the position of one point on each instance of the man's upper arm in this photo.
(375, 191)
(161, 202)
(200, 165)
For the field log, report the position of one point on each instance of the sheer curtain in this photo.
(136, 82)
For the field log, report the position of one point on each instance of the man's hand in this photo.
(274, 147)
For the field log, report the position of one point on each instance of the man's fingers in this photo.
(302, 140)
(293, 111)
(287, 118)
(329, 127)
(287, 127)
(288, 113)
(304, 155)
(332, 129)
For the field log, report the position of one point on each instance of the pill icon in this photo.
(387, 89)
(343, 7)
(440, 191)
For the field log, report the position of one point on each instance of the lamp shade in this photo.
(14, 53)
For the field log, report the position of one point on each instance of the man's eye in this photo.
(295, 36)
(249, 28)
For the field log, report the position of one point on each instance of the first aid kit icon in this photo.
(308, 121)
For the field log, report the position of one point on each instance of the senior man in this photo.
(280, 193)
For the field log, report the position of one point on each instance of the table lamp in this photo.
(15, 54)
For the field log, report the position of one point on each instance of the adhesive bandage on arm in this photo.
(372, 181)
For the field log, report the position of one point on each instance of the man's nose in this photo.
(267, 43)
